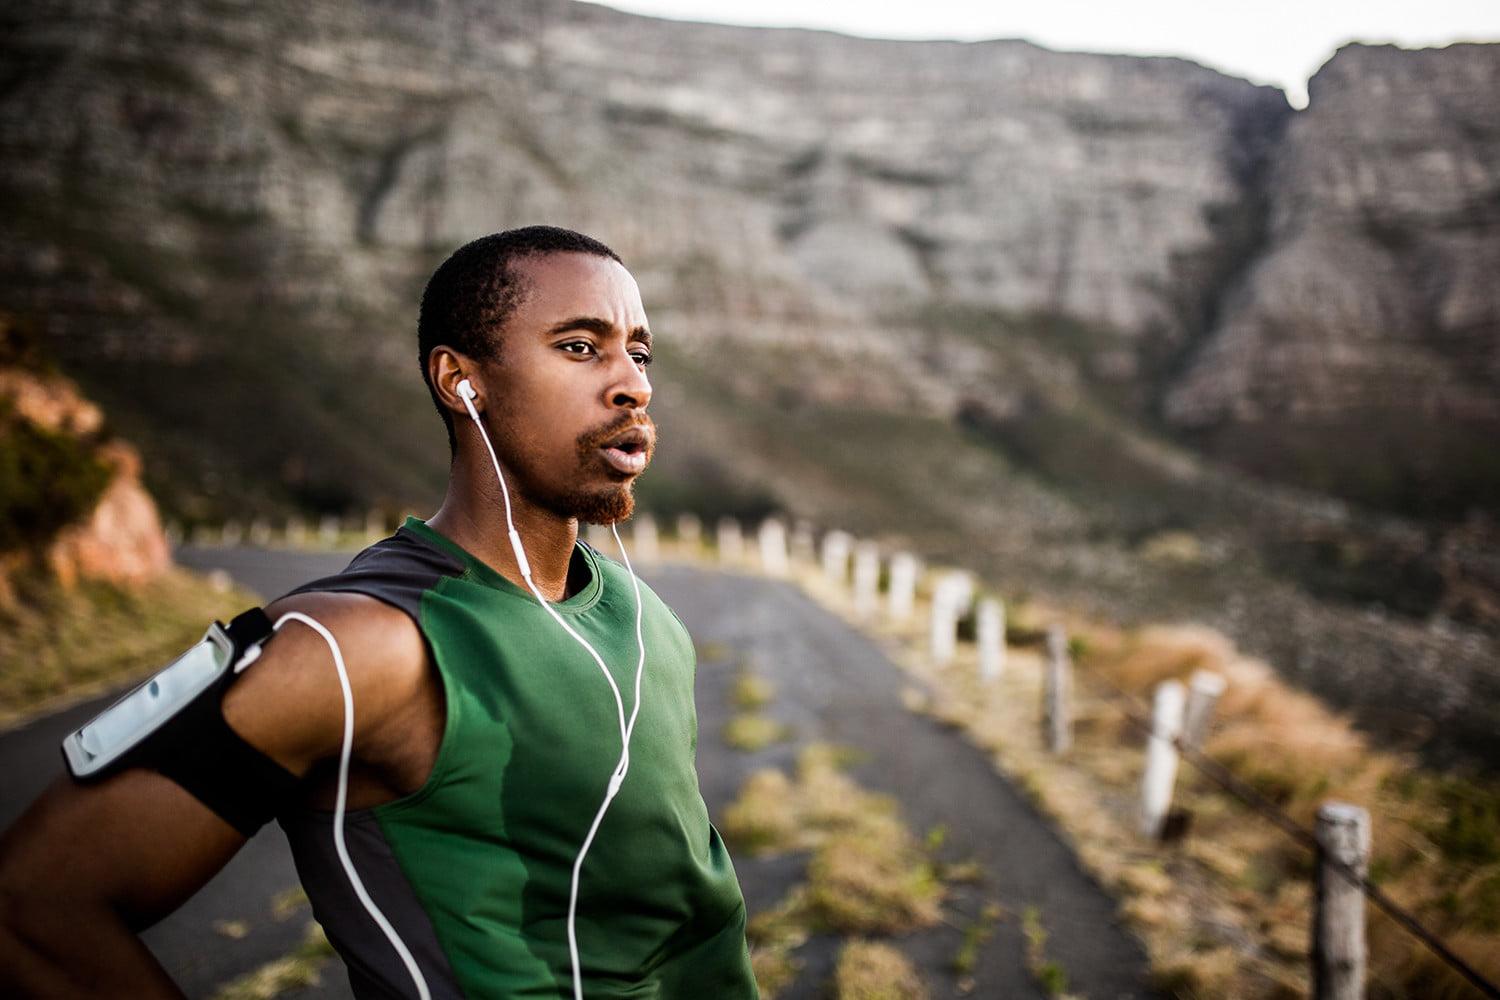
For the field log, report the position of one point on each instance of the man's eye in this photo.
(577, 347)
(642, 358)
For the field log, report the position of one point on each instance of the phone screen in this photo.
(137, 713)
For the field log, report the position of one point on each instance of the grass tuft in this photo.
(752, 691)
(296, 970)
(872, 970)
(750, 731)
(873, 879)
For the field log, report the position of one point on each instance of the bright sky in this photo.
(1281, 42)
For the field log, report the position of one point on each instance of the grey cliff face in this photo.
(1372, 315)
(182, 169)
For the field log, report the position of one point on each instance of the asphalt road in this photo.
(833, 685)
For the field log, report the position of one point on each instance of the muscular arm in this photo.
(90, 866)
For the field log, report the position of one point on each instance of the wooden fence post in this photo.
(903, 586)
(836, 557)
(1057, 692)
(1204, 690)
(1161, 757)
(730, 540)
(1338, 932)
(866, 578)
(773, 555)
(990, 634)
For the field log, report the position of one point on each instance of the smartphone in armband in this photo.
(114, 734)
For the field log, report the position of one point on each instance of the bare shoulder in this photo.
(289, 702)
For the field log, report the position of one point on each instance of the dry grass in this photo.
(275, 978)
(1226, 912)
(752, 691)
(976, 934)
(59, 644)
(869, 874)
(873, 879)
(751, 731)
(764, 819)
(1050, 976)
(774, 935)
(872, 970)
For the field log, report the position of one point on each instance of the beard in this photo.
(606, 506)
(615, 502)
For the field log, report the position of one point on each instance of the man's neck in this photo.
(473, 515)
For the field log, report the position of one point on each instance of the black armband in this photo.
(174, 724)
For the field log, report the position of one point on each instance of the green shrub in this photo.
(48, 480)
(1471, 830)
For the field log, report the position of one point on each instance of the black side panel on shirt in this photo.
(396, 570)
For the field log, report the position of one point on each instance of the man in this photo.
(488, 741)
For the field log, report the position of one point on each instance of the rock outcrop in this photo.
(119, 538)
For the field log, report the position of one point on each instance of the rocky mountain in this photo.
(1029, 309)
(1360, 349)
(183, 177)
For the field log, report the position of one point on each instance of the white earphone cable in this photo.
(342, 798)
(626, 728)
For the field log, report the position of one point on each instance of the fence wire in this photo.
(1226, 780)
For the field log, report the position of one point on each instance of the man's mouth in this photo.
(628, 451)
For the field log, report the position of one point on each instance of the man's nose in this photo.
(633, 389)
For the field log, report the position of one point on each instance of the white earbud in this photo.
(466, 390)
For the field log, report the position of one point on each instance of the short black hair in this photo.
(472, 294)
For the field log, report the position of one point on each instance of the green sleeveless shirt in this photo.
(473, 869)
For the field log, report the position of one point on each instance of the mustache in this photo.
(598, 437)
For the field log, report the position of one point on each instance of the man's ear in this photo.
(448, 369)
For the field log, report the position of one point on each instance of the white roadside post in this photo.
(903, 587)
(773, 555)
(866, 579)
(328, 530)
(943, 624)
(1161, 757)
(990, 634)
(950, 599)
(260, 532)
(689, 532)
(599, 537)
(232, 534)
(836, 557)
(645, 538)
(730, 539)
(1057, 692)
(804, 551)
(1338, 932)
(374, 523)
(1204, 690)
(296, 531)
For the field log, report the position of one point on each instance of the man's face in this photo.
(569, 392)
